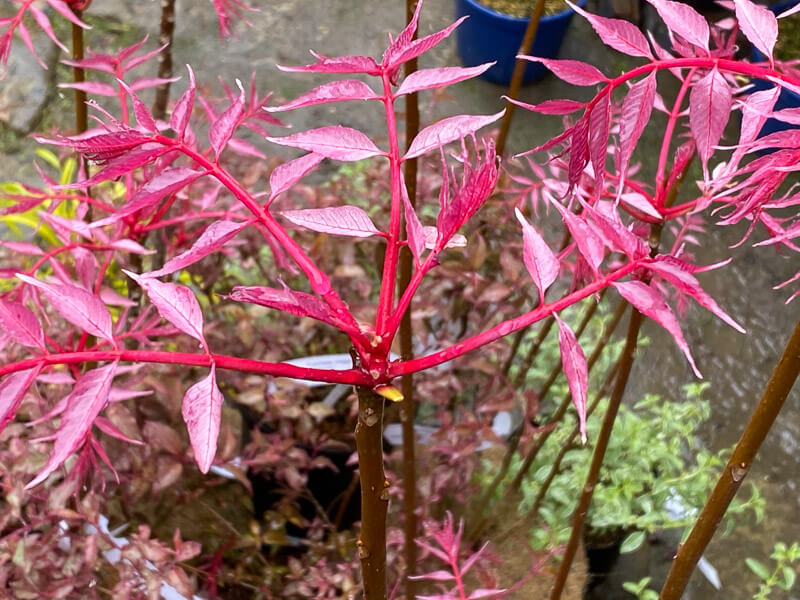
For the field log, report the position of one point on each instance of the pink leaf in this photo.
(126, 163)
(202, 412)
(650, 303)
(63, 225)
(222, 129)
(550, 107)
(396, 56)
(425, 79)
(682, 19)
(44, 23)
(790, 11)
(540, 261)
(337, 142)
(636, 109)
(147, 82)
(12, 391)
(638, 202)
(448, 130)
(23, 32)
(130, 246)
(175, 303)
(183, 109)
(245, 148)
(65, 11)
(618, 237)
(337, 220)
(83, 405)
(589, 243)
(758, 24)
(86, 267)
(299, 304)
(576, 371)
(214, 237)
(415, 234)
(599, 123)
(142, 113)
(81, 308)
(436, 576)
(709, 109)
(165, 183)
(432, 235)
(286, 175)
(109, 428)
(339, 64)
(617, 33)
(578, 151)
(336, 91)
(21, 324)
(95, 88)
(676, 272)
(571, 71)
(23, 248)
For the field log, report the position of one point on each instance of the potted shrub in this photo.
(494, 32)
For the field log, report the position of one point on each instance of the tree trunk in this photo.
(374, 494)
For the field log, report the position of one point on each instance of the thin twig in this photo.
(519, 71)
(165, 37)
(759, 425)
(408, 408)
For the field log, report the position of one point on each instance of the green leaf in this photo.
(788, 577)
(49, 157)
(632, 542)
(758, 568)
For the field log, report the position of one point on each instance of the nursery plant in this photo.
(83, 307)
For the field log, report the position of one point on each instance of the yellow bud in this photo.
(389, 392)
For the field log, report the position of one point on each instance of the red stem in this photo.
(389, 276)
(673, 118)
(319, 281)
(510, 326)
(347, 376)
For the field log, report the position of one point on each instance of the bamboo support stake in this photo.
(408, 408)
(374, 493)
(556, 466)
(519, 71)
(165, 37)
(79, 76)
(579, 519)
(759, 425)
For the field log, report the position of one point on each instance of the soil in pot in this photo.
(524, 8)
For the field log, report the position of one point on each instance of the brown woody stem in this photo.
(579, 519)
(759, 425)
(519, 71)
(408, 408)
(625, 364)
(79, 76)
(556, 466)
(374, 493)
(165, 37)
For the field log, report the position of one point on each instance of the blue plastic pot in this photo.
(788, 98)
(488, 36)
